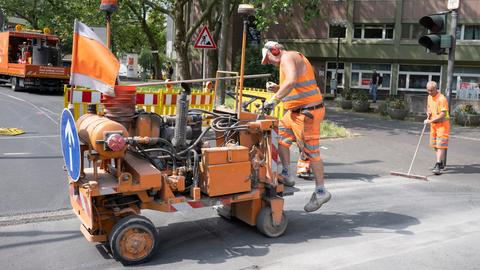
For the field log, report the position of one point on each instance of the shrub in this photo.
(346, 94)
(465, 109)
(360, 96)
(397, 103)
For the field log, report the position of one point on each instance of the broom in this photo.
(408, 175)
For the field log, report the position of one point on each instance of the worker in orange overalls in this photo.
(439, 120)
(208, 87)
(301, 124)
(303, 164)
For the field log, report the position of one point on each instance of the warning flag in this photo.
(93, 65)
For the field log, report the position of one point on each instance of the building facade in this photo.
(382, 35)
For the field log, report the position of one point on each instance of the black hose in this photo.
(195, 143)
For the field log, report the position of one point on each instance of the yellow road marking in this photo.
(11, 131)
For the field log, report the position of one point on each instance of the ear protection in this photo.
(275, 50)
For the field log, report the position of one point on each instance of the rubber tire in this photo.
(14, 84)
(126, 223)
(265, 223)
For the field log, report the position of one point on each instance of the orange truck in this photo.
(32, 60)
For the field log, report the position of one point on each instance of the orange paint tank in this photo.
(93, 128)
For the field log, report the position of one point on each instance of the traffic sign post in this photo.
(70, 144)
(204, 41)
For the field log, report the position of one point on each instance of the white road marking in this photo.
(14, 97)
(17, 154)
(465, 138)
(29, 137)
(34, 106)
(49, 111)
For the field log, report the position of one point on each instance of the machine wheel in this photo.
(14, 84)
(133, 240)
(265, 223)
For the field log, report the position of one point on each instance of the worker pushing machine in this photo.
(439, 120)
(301, 124)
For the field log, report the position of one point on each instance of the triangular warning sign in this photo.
(205, 40)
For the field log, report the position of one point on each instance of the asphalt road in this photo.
(31, 164)
(374, 221)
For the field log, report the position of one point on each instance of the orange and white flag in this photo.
(93, 65)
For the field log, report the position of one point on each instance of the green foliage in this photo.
(465, 109)
(361, 96)
(331, 130)
(395, 102)
(253, 65)
(267, 13)
(346, 94)
(59, 15)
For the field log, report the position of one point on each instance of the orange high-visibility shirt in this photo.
(305, 91)
(437, 104)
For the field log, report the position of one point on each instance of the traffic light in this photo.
(436, 39)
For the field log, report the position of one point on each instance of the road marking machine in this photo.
(132, 160)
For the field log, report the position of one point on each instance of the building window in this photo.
(337, 31)
(413, 31)
(362, 75)
(331, 67)
(468, 32)
(373, 31)
(415, 77)
(466, 82)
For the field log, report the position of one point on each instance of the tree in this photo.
(184, 32)
(266, 13)
(150, 22)
(136, 27)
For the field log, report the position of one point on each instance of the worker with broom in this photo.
(439, 120)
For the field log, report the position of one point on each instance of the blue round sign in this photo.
(70, 144)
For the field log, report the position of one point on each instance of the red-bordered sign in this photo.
(205, 40)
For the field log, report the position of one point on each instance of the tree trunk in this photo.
(181, 47)
(222, 49)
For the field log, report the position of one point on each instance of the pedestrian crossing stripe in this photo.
(11, 131)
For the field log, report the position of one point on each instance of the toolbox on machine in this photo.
(225, 170)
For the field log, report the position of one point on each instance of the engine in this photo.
(169, 143)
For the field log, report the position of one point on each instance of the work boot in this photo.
(442, 166)
(437, 169)
(286, 179)
(317, 200)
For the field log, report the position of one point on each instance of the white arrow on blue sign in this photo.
(70, 144)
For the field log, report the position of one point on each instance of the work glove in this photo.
(271, 87)
(271, 103)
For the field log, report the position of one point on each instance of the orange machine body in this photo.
(119, 184)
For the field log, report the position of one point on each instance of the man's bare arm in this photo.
(289, 68)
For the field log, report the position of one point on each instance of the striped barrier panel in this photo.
(161, 101)
(80, 98)
(279, 110)
(198, 100)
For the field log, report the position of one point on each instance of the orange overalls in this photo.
(440, 131)
(298, 127)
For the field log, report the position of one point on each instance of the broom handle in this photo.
(416, 150)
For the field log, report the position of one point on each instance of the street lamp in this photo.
(108, 6)
(339, 31)
(245, 10)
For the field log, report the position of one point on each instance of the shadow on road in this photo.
(53, 237)
(189, 240)
(462, 169)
